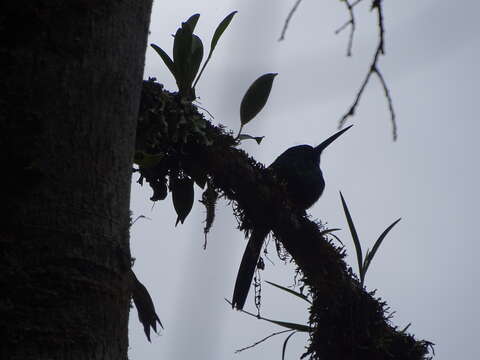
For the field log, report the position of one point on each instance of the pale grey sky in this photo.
(426, 269)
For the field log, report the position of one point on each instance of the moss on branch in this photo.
(347, 321)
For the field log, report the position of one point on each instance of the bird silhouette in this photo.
(299, 168)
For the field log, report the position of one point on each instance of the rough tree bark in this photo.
(70, 85)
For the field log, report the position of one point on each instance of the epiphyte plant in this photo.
(188, 54)
(364, 263)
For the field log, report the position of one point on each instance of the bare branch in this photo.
(350, 22)
(353, 107)
(374, 69)
(356, 3)
(390, 103)
(287, 20)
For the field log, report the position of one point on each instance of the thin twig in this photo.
(376, 5)
(262, 340)
(208, 112)
(355, 3)
(350, 22)
(374, 69)
(139, 217)
(350, 8)
(287, 20)
(353, 107)
(390, 103)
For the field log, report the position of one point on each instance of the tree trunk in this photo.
(70, 86)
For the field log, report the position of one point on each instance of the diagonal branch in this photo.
(348, 322)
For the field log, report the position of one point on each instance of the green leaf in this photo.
(370, 255)
(290, 291)
(196, 57)
(146, 160)
(220, 30)
(187, 56)
(258, 139)
(166, 59)
(256, 97)
(182, 51)
(289, 325)
(192, 21)
(216, 36)
(356, 240)
(182, 196)
(284, 347)
(367, 255)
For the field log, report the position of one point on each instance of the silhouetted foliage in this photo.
(347, 321)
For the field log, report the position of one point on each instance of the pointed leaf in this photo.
(192, 21)
(216, 36)
(220, 30)
(370, 255)
(196, 57)
(284, 347)
(258, 139)
(356, 240)
(182, 51)
(166, 59)
(289, 325)
(144, 304)
(182, 196)
(296, 293)
(256, 97)
(367, 255)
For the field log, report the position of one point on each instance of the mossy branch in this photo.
(348, 322)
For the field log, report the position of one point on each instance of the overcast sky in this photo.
(426, 269)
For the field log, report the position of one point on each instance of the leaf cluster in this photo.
(188, 54)
(172, 120)
(187, 58)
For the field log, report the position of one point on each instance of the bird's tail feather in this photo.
(247, 268)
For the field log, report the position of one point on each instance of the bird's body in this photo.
(299, 168)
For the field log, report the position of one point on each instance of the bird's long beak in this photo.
(331, 139)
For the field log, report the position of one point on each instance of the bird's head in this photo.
(304, 156)
(319, 148)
